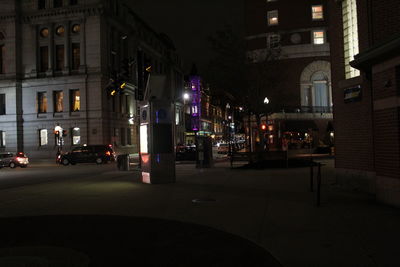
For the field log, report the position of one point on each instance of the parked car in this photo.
(223, 148)
(12, 160)
(185, 153)
(88, 154)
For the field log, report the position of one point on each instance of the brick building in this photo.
(366, 90)
(55, 63)
(299, 30)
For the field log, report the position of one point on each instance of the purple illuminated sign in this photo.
(196, 102)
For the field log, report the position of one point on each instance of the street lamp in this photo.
(266, 102)
(186, 96)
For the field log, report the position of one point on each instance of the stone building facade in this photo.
(366, 95)
(56, 60)
(300, 31)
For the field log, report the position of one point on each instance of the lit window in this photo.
(272, 17)
(60, 31)
(177, 117)
(43, 140)
(2, 139)
(58, 101)
(317, 12)
(44, 32)
(42, 102)
(318, 37)
(75, 100)
(76, 28)
(273, 40)
(76, 136)
(350, 33)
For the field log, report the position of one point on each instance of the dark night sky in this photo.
(190, 22)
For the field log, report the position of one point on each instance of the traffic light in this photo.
(121, 88)
(112, 86)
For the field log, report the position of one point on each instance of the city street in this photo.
(271, 207)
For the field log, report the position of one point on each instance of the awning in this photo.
(299, 125)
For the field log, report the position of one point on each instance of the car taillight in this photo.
(108, 153)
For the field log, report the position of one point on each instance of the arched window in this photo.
(315, 87)
(320, 91)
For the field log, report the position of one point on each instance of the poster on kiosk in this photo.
(157, 141)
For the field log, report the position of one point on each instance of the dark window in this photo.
(3, 142)
(44, 58)
(122, 104)
(2, 104)
(57, 3)
(73, 2)
(59, 57)
(76, 56)
(42, 4)
(398, 79)
(129, 136)
(75, 100)
(123, 139)
(2, 54)
(42, 102)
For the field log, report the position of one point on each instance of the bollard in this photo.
(319, 185)
(311, 177)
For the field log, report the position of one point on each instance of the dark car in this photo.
(88, 154)
(185, 153)
(12, 160)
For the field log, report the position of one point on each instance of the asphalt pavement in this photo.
(270, 208)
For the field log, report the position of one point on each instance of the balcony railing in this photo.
(308, 109)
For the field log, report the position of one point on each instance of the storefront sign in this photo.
(352, 94)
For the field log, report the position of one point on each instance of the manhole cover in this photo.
(203, 200)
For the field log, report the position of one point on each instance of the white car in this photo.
(13, 160)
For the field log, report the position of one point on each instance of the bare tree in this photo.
(249, 76)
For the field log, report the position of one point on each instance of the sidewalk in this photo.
(275, 209)
(271, 207)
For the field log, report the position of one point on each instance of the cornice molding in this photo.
(27, 17)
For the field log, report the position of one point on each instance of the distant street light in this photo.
(266, 100)
(186, 96)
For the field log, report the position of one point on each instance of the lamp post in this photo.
(266, 102)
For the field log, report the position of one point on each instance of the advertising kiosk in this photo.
(157, 136)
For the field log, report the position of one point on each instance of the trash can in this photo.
(123, 162)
